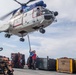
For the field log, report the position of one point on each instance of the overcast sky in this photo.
(59, 39)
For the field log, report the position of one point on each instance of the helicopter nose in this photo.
(55, 13)
(48, 17)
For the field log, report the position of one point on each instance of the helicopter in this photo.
(27, 19)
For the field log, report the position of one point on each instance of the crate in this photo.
(66, 65)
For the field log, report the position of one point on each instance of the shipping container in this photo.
(43, 63)
(46, 64)
(66, 65)
(18, 60)
(52, 64)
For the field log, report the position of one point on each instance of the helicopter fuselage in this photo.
(23, 23)
(27, 19)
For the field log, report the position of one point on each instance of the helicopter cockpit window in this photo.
(46, 11)
(38, 12)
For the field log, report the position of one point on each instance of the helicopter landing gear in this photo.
(42, 30)
(7, 35)
(22, 39)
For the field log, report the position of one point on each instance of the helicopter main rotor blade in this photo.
(24, 4)
(7, 15)
(18, 2)
(31, 0)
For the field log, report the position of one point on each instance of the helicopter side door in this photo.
(18, 19)
(27, 18)
(37, 16)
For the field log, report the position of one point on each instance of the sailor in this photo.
(34, 59)
(30, 58)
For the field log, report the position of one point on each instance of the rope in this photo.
(29, 43)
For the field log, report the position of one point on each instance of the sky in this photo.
(59, 39)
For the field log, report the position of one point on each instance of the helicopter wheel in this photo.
(42, 30)
(7, 35)
(22, 39)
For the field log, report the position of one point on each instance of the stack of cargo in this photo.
(66, 65)
(5, 66)
(18, 60)
(46, 64)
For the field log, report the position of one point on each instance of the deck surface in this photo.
(37, 72)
